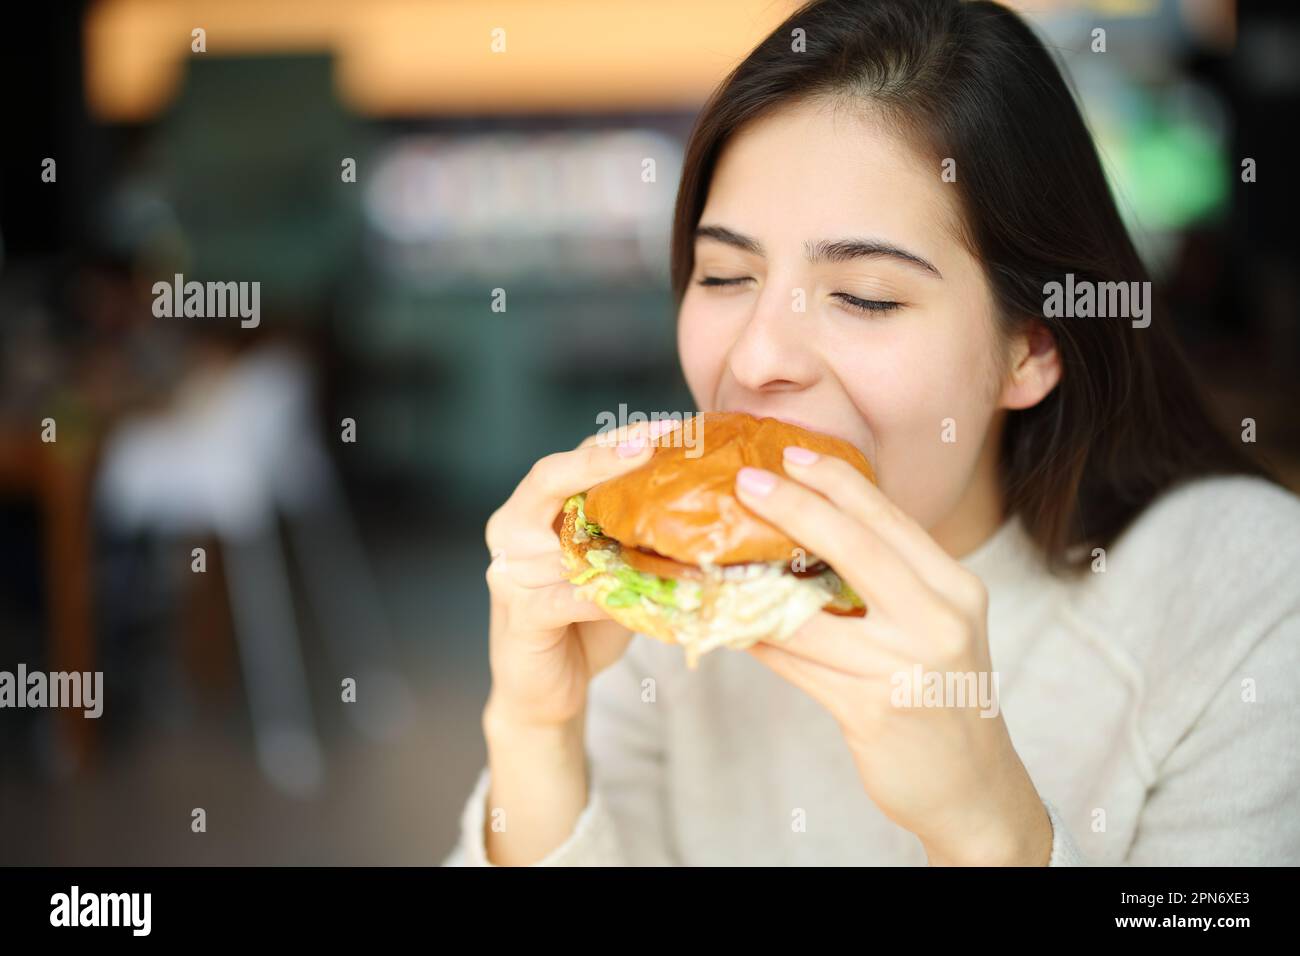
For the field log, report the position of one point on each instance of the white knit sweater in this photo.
(1156, 706)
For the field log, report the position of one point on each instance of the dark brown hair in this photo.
(971, 82)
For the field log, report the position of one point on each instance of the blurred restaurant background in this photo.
(335, 464)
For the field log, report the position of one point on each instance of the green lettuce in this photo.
(576, 502)
(848, 594)
(632, 584)
(641, 584)
(585, 576)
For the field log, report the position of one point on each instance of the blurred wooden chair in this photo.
(59, 475)
(238, 454)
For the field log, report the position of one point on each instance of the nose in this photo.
(775, 350)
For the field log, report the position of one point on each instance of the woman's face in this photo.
(914, 378)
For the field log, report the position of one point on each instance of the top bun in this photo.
(686, 508)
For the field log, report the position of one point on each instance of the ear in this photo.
(1035, 367)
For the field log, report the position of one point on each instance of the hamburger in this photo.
(668, 550)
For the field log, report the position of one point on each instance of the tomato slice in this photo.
(652, 562)
(850, 612)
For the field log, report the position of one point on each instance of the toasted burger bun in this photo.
(678, 558)
(731, 607)
(685, 508)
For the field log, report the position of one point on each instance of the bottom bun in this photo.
(735, 606)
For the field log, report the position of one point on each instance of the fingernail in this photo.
(800, 456)
(756, 481)
(631, 447)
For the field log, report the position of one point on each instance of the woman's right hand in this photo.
(545, 644)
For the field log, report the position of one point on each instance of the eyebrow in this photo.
(826, 250)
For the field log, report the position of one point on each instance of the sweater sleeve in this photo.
(1065, 852)
(624, 820)
(1229, 791)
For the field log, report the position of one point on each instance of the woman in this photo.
(866, 232)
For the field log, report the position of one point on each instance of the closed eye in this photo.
(854, 304)
(851, 302)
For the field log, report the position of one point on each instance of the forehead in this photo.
(818, 170)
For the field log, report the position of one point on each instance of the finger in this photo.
(548, 608)
(826, 685)
(849, 645)
(525, 521)
(604, 642)
(606, 630)
(535, 571)
(858, 554)
(652, 430)
(848, 488)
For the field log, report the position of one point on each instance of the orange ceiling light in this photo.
(436, 57)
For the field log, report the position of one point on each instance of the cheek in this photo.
(702, 343)
(924, 394)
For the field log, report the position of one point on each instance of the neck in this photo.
(980, 509)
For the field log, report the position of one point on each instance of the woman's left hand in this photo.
(944, 769)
